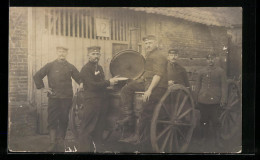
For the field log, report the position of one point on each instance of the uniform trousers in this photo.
(127, 95)
(209, 114)
(58, 114)
(92, 123)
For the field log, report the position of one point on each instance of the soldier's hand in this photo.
(147, 95)
(170, 83)
(81, 88)
(47, 90)
(113, 81)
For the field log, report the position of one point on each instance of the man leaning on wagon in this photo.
(211, 89)
(59, 73)
(154, 84)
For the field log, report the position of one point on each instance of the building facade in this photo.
(35, 32)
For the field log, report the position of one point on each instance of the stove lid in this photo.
(127, 63)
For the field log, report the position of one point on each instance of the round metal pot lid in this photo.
(127, 63)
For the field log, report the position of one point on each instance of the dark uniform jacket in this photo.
(211, 85)
(177, 74)
(59, 75)
(94, 81)
(155, 64)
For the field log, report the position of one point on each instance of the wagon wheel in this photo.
(173, 121)
(74, 120)
(231, 116)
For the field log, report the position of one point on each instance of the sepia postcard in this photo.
(125, 79)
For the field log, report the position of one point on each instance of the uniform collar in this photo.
(61, 61)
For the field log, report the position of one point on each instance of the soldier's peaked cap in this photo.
(149, 37)
(94, 49)
(62, 47)
(173, 51)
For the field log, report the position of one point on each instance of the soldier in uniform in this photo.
(94, 108)
(176, 73)
(59, 74)
(211, 89)
(154, 84)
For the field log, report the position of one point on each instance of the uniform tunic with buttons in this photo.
(211, 88)
(177, 74)
(211, 85)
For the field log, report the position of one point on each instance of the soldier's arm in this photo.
(159, 69)
(88, 77)
(75, 74)
(160, 66)
(40, 75)
(156, 79)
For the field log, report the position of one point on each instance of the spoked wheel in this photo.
(173, 121)
(231, 116)
(74, 115)
(74, 122)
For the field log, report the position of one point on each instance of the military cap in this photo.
(211, 55)
(94, 49)
(149, 37)
(173, 51)
(62, 47)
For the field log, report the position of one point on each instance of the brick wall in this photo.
(18, 55)
(193, 40)
(22, 116)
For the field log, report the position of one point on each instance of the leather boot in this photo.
(128, 116)
(60, 145)
(127, 120)
(53, 143)
(135, 138)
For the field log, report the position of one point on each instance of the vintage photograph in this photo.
(125, 79)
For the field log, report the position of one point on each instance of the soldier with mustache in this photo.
(211, 89)
(154, 84)
(94, 109)
(176, 73)
(59, 74)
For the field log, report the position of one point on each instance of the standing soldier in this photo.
(153, 83)
(95, 106)
(211, 89)
(176, 73)
(59, 73)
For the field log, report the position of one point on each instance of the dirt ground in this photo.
(39, 143)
